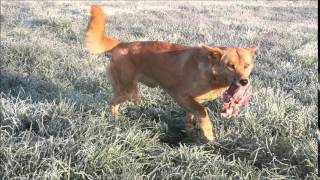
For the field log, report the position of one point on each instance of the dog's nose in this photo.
(243, 82)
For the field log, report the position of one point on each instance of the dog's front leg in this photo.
(206, 125)
(193, 107)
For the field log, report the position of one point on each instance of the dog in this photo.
(190, 75)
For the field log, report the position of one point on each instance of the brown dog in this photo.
(191, 75)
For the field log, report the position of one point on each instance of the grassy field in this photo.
(54, 114)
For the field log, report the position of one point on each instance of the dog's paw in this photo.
(188, 127)
(208, 135)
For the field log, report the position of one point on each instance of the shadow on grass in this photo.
(29, 87)
(24, 86)
(174, 134)
(246, 148)
(275, 151)
(18, 89)
(279, 154)
(84, 93)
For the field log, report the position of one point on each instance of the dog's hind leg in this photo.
(115, 102)
(188, 121)
(135, 96)
(124, 83)
(124, 93)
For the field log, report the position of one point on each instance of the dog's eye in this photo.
(231, 66)
(246, 66)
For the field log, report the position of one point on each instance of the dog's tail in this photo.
(96, 39)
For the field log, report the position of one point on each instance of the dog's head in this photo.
(237, 63)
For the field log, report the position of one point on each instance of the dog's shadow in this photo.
(173, 132)
(18, 87)
(171, 118)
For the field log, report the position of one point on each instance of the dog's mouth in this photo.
(237, 95)
(233, 88)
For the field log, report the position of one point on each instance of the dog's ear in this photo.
(216, 53)
(251, 50)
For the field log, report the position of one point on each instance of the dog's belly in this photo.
(210, 95)
(147, 81)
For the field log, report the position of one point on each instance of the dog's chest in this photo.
(210, 95)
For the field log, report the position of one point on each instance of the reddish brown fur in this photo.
(96, 40)
(191, 75)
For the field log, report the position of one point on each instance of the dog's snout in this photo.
(243, 82)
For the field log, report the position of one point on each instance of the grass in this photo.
(54, 115)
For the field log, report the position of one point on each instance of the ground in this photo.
(54, 114)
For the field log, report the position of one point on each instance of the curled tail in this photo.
(96, 39)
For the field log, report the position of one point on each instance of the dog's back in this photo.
(163, 63)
